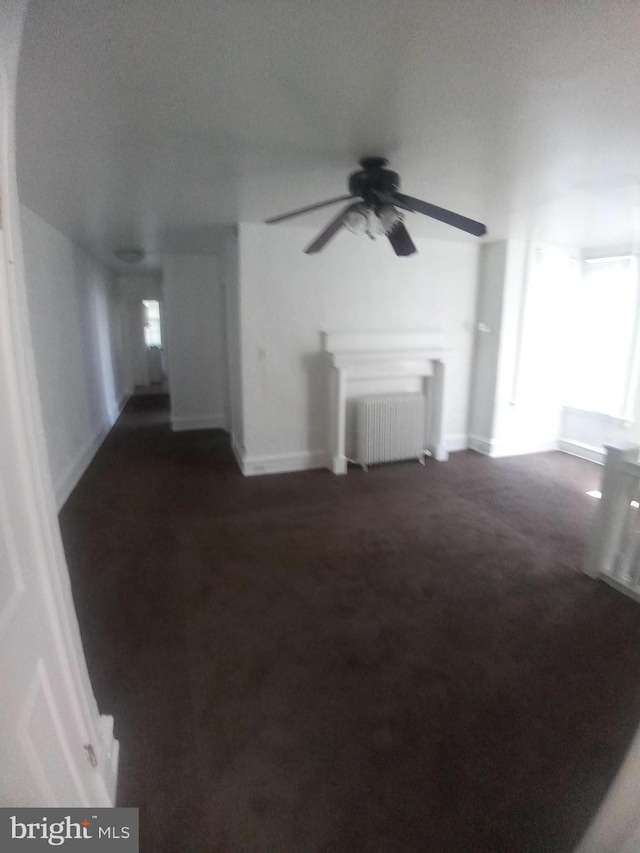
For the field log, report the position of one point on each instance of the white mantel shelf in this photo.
(380, 355)
(371, 365)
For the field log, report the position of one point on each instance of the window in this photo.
(540, 352)
(152, 333)
(601, 337)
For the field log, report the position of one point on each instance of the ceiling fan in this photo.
(374, 199)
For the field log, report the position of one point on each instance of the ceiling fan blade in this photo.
(301, 210)
(330, 231)
(443, 215)
(401, 241)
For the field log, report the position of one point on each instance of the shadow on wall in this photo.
(101, 364)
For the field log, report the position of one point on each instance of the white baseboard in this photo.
(282, 463)
(109, 756)
(619, 586)
(69, 480)
(115, 413)
(339, 464)
(495, 450)
(501, 450)
(480, 445)
(584, 451)
(306, 460)
(455, 443)
(238, 452)
(214, 421)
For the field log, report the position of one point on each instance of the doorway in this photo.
(153, 367)
(150, 403)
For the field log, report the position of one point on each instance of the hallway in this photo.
(402, 661)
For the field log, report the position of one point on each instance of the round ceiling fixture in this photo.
(130, 256)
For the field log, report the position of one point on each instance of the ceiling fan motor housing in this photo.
(378, 187)
(372, 178)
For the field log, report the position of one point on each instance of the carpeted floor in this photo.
(403, 661)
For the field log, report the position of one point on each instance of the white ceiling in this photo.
(153, 122)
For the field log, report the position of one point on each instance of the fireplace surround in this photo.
(363, 362)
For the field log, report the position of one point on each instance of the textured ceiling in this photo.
(154, 122)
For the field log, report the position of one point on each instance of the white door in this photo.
(55, 749)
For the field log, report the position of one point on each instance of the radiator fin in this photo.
(390, 427)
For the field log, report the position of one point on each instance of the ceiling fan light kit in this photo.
(374, 198)
(364, 220)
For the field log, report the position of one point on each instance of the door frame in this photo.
(21, 405)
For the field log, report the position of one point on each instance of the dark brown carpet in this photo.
(404, 660)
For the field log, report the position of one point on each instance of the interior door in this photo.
(55, 750)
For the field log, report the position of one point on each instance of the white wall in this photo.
(230, 274)
(29, 530)
(487, 343)
(585, 433)
(196, 342)
(72, 303)
(287, 298)
(135, 288)
(527, 412)
(515, 405)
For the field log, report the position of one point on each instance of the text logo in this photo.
(94, 829)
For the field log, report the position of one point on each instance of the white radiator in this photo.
(390, 427)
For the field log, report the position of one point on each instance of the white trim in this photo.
(595, 414)
(616, 584)
(238, 452)
(33, 488)
(41, 686)
(213, 421)
(70, 478)
(12, 600)
(383, 355)
(584, 451)
(525, 278)
(34, 761)
(388, 363)
(117, 411)
(339, 464)
(109, 755)
(307, 460)
(455, 443)
(281, 463)
(439, 452)
(497, 451)
(480, 445)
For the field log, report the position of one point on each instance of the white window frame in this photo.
(625, 410)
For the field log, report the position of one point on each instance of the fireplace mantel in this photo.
(383, 355)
